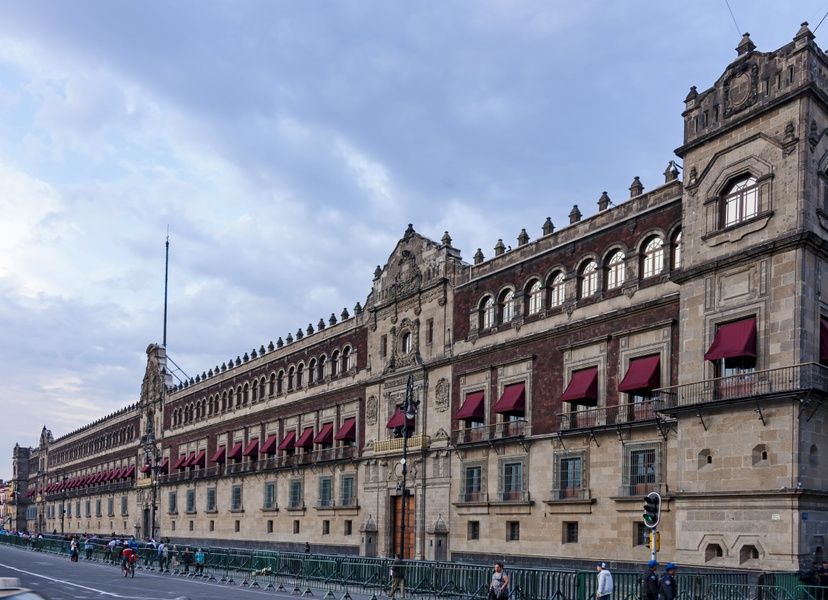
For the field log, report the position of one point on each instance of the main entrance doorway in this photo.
(403, 547)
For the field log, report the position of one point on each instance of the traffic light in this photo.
(655, 536)
(652, 509)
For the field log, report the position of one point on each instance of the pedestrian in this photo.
(397, 573)
(89, 547)
(110, 548)
(604, 589)
(73, 550)
(200, 559)
(648, 584)
(822, 580)
(187, 559)
(174, 558)
(159, 555)
(499, 586)
(668, 590)
(307, 547)
(165, 557)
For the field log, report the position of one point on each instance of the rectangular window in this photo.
(77, 509)
(326, 527)
(69, 510)
(211, 499)
(270, 525)
(296, 526)
(171, 503)
(349, 527)
(641, 534)
(570, 532)
(512, 483)
(110, 507)
(212, 525)
(512, 531)
(569, 476)
(97, 508)
(237, 526)
(191, 505)
(642, 469)
(88, 508)
(384, 346)
(473, 530)
(124, 505)
(236, 497)
(472, 484)
(270, 495)
(429, 331)
(295, 498)
(192, 525)
(346, 491)
(325, 486)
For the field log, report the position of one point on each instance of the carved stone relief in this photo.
(441, 395)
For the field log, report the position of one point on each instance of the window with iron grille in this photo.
(326, 527)
(642, 471)
(97, 508)
(570, 532)
(642, 535)
(325, 488)
(295, 496)
(110, 507)
(77, 509)
(296, 526)
(472, 483)
(569, 476)
(473, 530)
(349, 527)
(171, 502)
(346, 491)
(270, 495)
(211, 499)
(236, 497)
(124, 505)
(512, 531)
(191, 507)
(512, 480)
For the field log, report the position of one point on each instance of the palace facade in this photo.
(673, 342)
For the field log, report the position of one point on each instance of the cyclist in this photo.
(128, 558)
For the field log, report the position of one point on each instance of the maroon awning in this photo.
(180, 462)
(473, 408)
(306, 439)
(823, 340)
(644, 373)
(218, 455)
(397, 419)
(129, 472)
(252, 448)
(164, 465)
(235, 452)
(325, 435)
(200, 459)
(111, 474)
(269, 446)
(189, 462)
(146, 469)
(583, 387)
(732, 340)
(513, 399)
(347, 431)
(289, 443)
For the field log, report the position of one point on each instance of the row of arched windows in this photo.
(105, 441)
(551, 293)
(295, 377)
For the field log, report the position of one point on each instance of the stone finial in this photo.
(299, 334)
(216, 370)
(262, 349)
(192, 381)
(446, 240)
(203, 375)
(377, 272)
(253, 353)
(345, 314)
(271, 347)
(210, 373)
(478, 256)
(804, 35)
(548, 226)
(321, 324)
(522, 238)
(310, 329)
(604, 201)
(671, 172)
(280, 342)
(223, 367)
(246, 357)
(409, 231)
(574, 214)
(499, 248)
(357, 308)
(636, 187)
(692, 94)
(745, 46)
(289, 338)
(197, 378)
(186, 384)
(238, 360)
(693, 175)
(332, 319)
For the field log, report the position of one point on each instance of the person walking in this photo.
(187, 559)
(165, 556)
(159, 555)
(73, 550)
(200, 560)
(110, 548)
(307, 547)
(397, 577)
(667, 589)
(88, 547)
(648, 583)
(499, 586)
(604, 589)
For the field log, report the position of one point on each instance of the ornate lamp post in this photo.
(152, 456)
(62, 501)
(409, 409)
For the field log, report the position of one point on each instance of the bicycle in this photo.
(128, 568)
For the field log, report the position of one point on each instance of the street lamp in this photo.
(152, 455)
(62, 500)
(409, 409)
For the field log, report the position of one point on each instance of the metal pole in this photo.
(62, 503)
(404, 474)
(653, 540)
(166, 273)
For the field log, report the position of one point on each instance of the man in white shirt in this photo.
(604, 589)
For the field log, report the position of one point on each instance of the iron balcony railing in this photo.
(415, 442)
(472, 497)
(496, 431)
(569, 493)
(513, 496)
(603, 416)
(641, 485)
(795, 378)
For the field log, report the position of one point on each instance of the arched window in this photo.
(556, 291)
(320, 371)
(712, 551)
(346, 359)
(300, 375)
(255, 391)
(280, 383)
(291, 378)
(740, 201)
(334, 363)
(312, 371)
(272, 389)
(653, 261)
(748, 552)
(224, 402)
(677, 250)
(615, 270)
(245, 395)
(589, 279)
(405, 342)
(507, 306)
(240, 396)
(535, 298)
(487, 312)
(231, 400)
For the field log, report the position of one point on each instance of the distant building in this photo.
(674, 341)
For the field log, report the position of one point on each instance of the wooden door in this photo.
(396, 522)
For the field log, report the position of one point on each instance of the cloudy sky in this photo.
(287, 145)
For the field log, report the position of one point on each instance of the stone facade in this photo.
(670, 343)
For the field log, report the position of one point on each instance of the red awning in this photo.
(190, 459)
(179, 462)
(289, 443)
(473, 408)
(269, 446)
(111, 475)
(733, 340)
(583, 387)
(31, 493)
(325, 435)
(218, 455)
(235, 452)
(252, 448)
(146, 469)
(347, 432)
(306, 439)
(96, 479)
(644, 373)
(164, 465)
(129, 472)
(823, 339)
(397, 419)
(200, 459)
(513, 399)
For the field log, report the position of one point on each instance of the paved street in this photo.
(56, 578)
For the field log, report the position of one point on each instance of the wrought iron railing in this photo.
(602, 416)
(496, 431)
(472, 497)
(569, 493)
(806, 376)
(641, 485)
(513, 496)
(415, 442)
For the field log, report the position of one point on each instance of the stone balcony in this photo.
(395, 445)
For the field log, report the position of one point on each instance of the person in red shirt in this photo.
(128, 560)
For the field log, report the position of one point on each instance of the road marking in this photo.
(77, 585)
